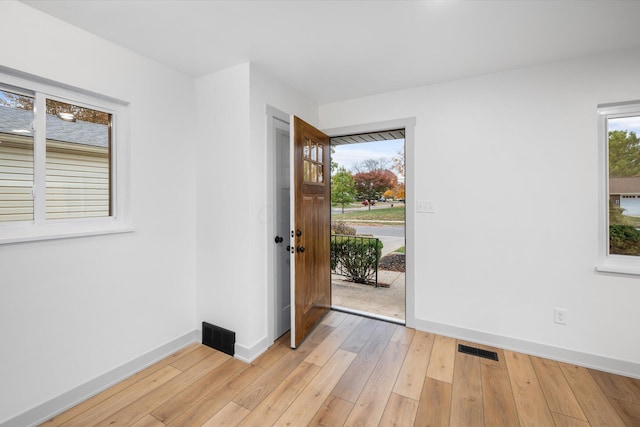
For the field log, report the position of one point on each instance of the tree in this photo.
(624, 154)
(12, 100)
(370, 165)
(334, 165)
(398, 162)
(371, 185)
(343, 190)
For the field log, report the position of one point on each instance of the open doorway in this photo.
(279, 307)
(368, 246)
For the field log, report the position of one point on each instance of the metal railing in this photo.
(356, 257)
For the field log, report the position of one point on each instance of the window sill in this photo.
(620, 265)
(63, 230)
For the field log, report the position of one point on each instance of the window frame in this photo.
(40, 228)
(611, 263)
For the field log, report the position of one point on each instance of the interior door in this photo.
(310, 217)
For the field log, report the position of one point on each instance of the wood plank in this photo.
(167, 391)
(562, 420)
(272, 407)
(400, 411)
(434, 408)
(614, 386)
(403, 335)
(124, 398)
(196, 356)
(527, 392)
(466, 395)
(309, 401)
(629, 412)
(414, 369)
(634, 384)
(209, 405)
(359, 336)
(172, 408)
(315, 338)
(321, 354)
(272, 355)
(370, 405)
(241, 380)
(148, 421)
(555, 387)
(593, 402)
(251, 396)
(215, 399)
(334, 318)
(354, 380)
(442, 361)
(497, 396)
(333, 412)
(121, 386)
(231, 415)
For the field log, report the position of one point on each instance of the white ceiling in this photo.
(336, 50)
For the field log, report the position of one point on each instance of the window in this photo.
(619, 129)
(61, 173)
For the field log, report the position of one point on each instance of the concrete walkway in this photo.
(382, 301)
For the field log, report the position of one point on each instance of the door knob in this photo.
(298, 233)
(279, 239)
(300, 249)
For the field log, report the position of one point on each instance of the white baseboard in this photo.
(587, 360)
(249, 354)
(57, 405)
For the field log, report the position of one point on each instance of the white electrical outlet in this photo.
(560, 316)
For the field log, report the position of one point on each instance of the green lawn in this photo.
(383, 214)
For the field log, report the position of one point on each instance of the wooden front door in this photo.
(310, 271)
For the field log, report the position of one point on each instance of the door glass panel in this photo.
(307, 171)
(313, 162)
(16, 157)
(307, 148)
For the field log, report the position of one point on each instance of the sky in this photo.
(351, 154)
(631, 124)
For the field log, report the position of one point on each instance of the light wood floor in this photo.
(358, 371)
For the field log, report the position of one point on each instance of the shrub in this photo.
(355, 257)
(342, 228)
(624, 240)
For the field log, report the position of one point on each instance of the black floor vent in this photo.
(478, 352)
(218, 338)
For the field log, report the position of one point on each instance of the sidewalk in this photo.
(385, 301)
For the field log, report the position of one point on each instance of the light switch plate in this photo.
(425, 206)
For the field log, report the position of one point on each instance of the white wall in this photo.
(511, 160)
(72, 310)
(234, 212)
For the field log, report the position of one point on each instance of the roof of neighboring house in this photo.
(625, 185)
(14, 120)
